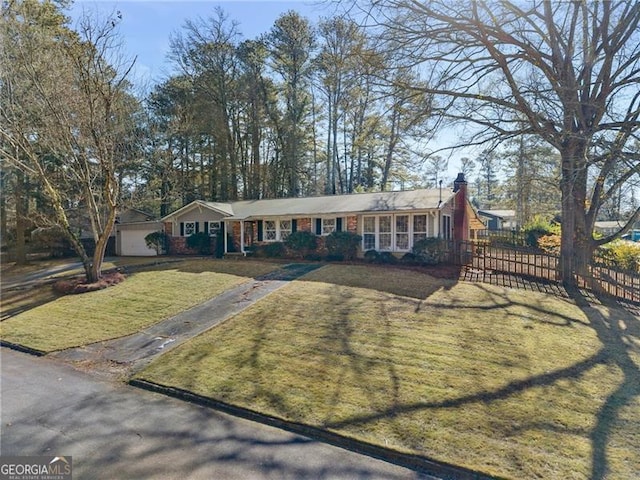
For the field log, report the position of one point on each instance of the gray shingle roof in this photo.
(498, 213)
(425, 199)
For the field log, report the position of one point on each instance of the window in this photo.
(214, 228)
(419, 228)
(270, 233)
(189, 228)
(328, 226)
(402, 232)
(285, 229)
(384, 231)
(446, 227)
(369, 233)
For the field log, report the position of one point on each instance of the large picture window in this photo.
(397, 233)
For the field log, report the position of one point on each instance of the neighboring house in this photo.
(608, 227)
(387, 221)
(132, 226)
(611, 227)
(499, 219)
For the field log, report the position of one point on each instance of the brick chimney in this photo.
(460, 219)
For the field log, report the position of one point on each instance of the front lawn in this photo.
(511, 383)
(144, 298)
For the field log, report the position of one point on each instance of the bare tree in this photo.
(531, 168)
(571, 70)
(64, 111)
(206, 53)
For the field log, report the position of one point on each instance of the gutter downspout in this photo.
(244, 254)
(226, 226)
(440, 212)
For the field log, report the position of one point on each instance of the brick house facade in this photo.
(386, 221)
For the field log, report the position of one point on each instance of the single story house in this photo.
(609, 227)
(387, 221)
(499, 219)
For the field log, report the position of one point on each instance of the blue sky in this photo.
(146, 25)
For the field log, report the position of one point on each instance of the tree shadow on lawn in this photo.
(413, 282)
(18, 300)
(619, 332)
(22, 298)
(617, 329)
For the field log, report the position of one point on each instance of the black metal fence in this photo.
(489, 259)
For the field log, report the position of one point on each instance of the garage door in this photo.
(132, 243)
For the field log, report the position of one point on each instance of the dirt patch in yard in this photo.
(79, 284)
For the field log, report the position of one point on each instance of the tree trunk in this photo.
(3, 208)
(21, 214)
(576, 249)
(393, 138)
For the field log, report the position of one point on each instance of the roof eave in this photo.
(192, 205)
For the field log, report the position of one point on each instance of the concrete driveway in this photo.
(114, 431)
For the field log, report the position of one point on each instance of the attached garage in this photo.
(130, 239)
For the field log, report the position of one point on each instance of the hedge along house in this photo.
(387, 221)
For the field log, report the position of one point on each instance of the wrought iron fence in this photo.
(490, 258)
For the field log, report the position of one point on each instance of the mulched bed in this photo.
(80, 285)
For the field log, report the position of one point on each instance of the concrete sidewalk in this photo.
(129, 354)
(49, 274)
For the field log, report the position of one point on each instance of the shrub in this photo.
(430, 251)
(270, 250)
(539, 227)
(343, 245)
(387, 258)
(159, 241)
(410, 259)
(201, 242)
(371, 255)
(622, 253)
(302, 243)
(380, 257)
(313, 257)
(550, 243)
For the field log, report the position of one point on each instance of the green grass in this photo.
(144, 298)
(512, 383)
